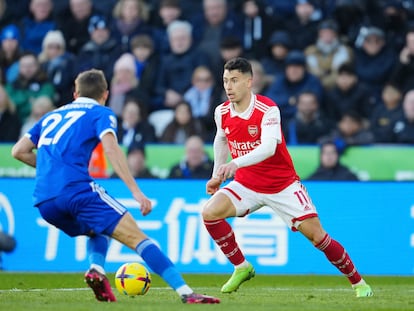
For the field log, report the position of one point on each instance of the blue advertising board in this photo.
(373, 220)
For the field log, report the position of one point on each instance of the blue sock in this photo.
(97, 247)
(159, 263)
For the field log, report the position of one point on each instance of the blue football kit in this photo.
(68, 198)
(64, 192)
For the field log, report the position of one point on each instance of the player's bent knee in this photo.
(208, 215)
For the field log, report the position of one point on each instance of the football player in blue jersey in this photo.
(68, 198)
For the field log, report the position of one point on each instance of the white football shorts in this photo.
(292, 204)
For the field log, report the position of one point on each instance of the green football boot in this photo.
(363, 290)
(239, 276)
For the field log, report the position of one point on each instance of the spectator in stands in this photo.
(168, 12)
(403, 72)
(308, 125)
(101, 51)
(130, 19)
(125, 84)
(351, 130)
(31, 83)
(325, 56)
(374, 59)
(230, 47)
(284, 89)
(280, 9)
(403, 127)
(258, 26)
(279, 46)
(190, 7)
(36, 25)
(136, 160)
(330, 167)
(394, 22)
(133, 126)
(104, 6)
(347, 94)
(9, 121)
(303, 27)
(386, 113)
(216, 21)
(182, 126)
(260, 81)
(350, 16)
(203, 97)
(58, 65)
(147, 63)
(11, 11)
(196, 163)
(40, 106)
(10, 53)
(74, 23)
(177, 67)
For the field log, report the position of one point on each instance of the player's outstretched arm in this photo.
(119, 163)
(23, 151)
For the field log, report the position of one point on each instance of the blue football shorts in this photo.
(83, 211)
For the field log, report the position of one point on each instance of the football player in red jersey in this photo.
(248, 126)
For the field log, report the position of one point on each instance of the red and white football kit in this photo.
(266, 175)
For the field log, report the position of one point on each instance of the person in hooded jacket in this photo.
(330, 167)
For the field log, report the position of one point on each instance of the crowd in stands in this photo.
(340, 70)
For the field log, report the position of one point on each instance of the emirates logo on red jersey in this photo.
(253, 130)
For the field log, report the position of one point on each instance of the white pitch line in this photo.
(267, 289)
(18, 290)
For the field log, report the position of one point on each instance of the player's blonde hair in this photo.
(91, 83)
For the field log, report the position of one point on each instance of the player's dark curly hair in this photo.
(239, 63)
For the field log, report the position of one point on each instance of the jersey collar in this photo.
(85, 100)
(245, 114)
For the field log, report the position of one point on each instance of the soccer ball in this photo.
(132, 279)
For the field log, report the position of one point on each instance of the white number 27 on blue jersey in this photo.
(57, 120)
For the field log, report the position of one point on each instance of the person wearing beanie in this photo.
(53, 38)
(58, 65)
(10, 52)
(295, 79)
(375, 59)
(125, 62)
(102, 50)
(279, 45)
(324, 57)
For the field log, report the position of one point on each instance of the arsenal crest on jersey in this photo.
(253, 130)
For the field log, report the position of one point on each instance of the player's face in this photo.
(236, 85)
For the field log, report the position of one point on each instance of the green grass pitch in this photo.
(67, 292)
